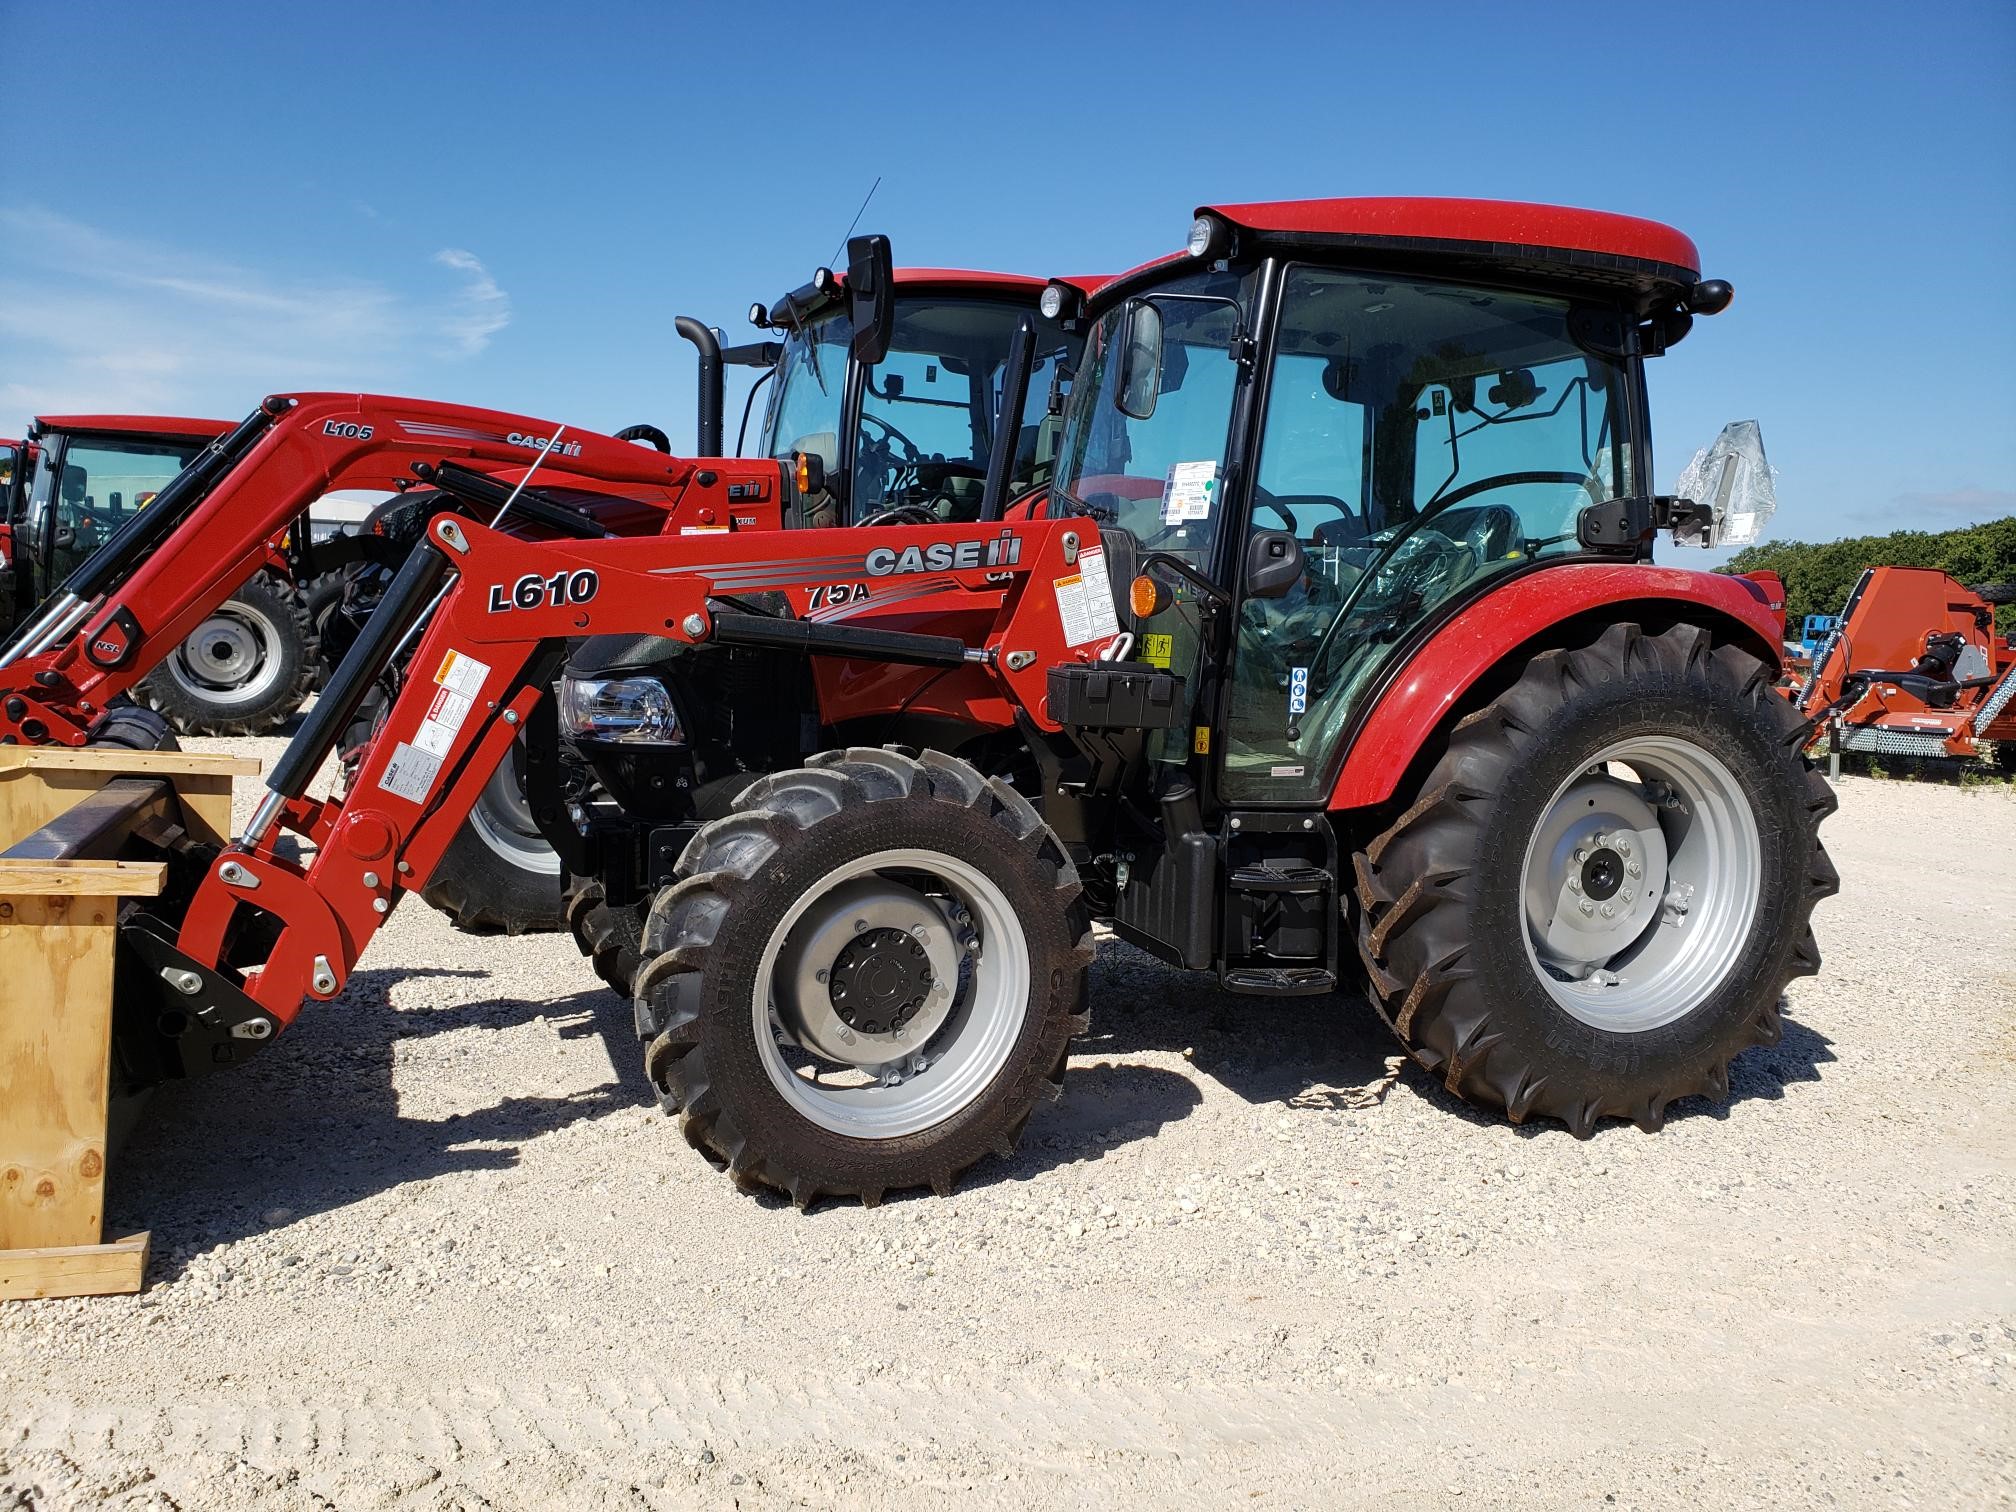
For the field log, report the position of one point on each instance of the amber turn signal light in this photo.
(1147, 596)
(809, 473)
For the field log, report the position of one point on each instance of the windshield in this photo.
(1158, 477)
(95, 486)
(927, 409)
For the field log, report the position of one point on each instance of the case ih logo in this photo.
(541, 443)
(1005, 550)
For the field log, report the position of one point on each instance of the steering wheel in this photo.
(1514, 480)
(902, 514)
(1264, 500)
(650, 433)
(891, 438)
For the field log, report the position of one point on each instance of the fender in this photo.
(1418, 696)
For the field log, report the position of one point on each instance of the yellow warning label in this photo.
(1202, 743)
(1157, 650)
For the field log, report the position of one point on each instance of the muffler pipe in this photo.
(709, 347)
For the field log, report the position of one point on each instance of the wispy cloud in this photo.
(482, 309)
(89, 320)
(1962, 503)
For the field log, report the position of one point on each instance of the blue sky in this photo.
(507, 204)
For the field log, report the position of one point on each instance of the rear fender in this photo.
(1523, 615)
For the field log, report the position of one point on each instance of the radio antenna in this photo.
(857, 217)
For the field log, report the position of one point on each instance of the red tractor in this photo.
(1333, 652)
(118, 624)
(1915, 667)
(249, 664)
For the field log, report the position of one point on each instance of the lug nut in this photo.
(1633, 869)
(1586, 906)
(1609, 911)
(1575, 884)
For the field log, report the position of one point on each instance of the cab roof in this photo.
(1558, 243)
(137, 425)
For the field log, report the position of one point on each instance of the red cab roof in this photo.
(139, 425)
(1507, 228)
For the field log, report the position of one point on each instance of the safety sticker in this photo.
(1284, 771)
(1189, 492)
(1158, 650)
(1298, 690)
(410, 773)
(443, 718)
(462, 673)
(1085, 601)
(704, 529)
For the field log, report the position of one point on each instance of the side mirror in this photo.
(871, 297)
(1140, 360)
(1273, 564)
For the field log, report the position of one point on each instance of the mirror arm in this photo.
(1624, 524)
(1190, 574)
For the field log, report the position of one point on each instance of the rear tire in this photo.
(498, 875)
(1581, 1016)
(848, 850)
(247, 668)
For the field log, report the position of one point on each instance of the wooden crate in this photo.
(58, 934)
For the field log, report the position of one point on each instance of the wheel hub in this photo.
(231, 658)
(880, 980)
(868, 975)
(1640, 883)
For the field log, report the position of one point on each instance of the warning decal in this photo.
(462, 673)
(1085, 601)
(410, 773)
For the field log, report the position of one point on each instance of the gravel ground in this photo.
(437, 1249)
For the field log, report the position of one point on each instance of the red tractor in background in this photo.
(1333, 653)
(1916, 667)
(251, 662)
(217, 528)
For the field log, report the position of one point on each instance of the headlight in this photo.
(624, 710)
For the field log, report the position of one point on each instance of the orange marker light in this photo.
(1147, 597)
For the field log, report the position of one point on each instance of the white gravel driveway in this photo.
(437, 1249)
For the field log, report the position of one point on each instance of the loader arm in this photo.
(484, 662)
(135, 599)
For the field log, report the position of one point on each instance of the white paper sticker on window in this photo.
(462, 673)
(1189, 492)
(410, 773)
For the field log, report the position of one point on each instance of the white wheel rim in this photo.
(503, 821)
(888, 1082)
(1640, 884)
(232, 658)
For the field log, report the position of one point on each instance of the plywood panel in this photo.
(55, 1046)
(81, 1270)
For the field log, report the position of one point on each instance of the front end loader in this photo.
(207, 538)
(1334, 654)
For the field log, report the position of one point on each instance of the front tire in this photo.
(1604, 884)
(865, 976)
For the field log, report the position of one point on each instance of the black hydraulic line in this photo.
(489, 495)
(148, 527)
(709, 349)
(406, 599)
(816, 639)
(1008, 420)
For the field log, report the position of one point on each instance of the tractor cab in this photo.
(90, 474)
(889, 418)
(1313, 443)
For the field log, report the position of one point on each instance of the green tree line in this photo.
(1818, 575)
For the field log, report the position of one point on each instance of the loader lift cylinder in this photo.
(408, 596)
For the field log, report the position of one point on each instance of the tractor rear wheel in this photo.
(865, 976)
(1604, 884)
(248, 667)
